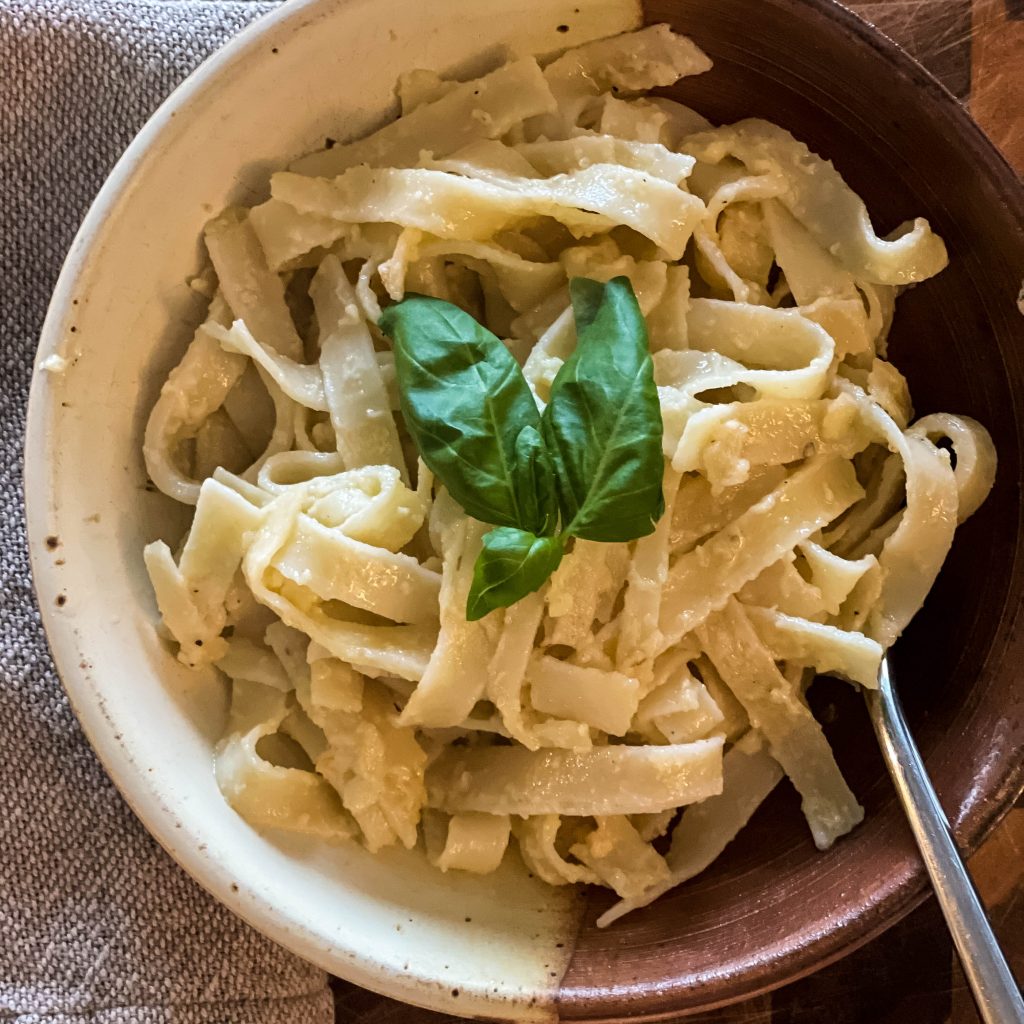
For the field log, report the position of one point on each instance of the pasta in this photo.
(620, 724)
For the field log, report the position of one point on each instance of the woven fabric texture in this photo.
(97, 925)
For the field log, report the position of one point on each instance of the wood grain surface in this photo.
(910, 974)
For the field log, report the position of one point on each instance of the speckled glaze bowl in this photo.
(772, 908)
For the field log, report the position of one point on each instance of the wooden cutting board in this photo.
(974, 47)
(910, 975)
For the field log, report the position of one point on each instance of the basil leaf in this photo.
(512, 564)
(539, 503)
(467, 406)
(603, 423)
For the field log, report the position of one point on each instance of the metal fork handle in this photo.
(995, 990)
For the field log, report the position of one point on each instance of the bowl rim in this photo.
(983, 814)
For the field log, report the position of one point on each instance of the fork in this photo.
(995, 990)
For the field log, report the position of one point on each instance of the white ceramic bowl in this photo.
(773, 908)
(121, 316)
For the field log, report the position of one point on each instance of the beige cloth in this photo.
(96, 923)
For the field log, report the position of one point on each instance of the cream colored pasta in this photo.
(325, 573)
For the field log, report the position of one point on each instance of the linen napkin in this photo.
(97, 925)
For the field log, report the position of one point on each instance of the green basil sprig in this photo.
(603, 423)
(590, 466)
(471, 413)
(512, 564)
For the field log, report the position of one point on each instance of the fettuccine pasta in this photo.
(621, 724)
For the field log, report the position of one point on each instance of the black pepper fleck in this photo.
(563, 28)
(62, 599)
(52, 542)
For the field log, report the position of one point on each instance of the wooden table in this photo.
(910, 975)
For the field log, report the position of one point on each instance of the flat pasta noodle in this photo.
(604, 700)
(666, 322)
(537, 836)
(287, 237)
(729, 252)
(370, 504)
(251, 289)
(192, 595)
(818, 197)
(355, 392)
(475, 842)
(485, 108)
(562, 156)
(505, 680)
(646, 688)
(794, 738)
(195, 389)
(975, 471)
(271, 795)
(913, 552)
(700, 510)
(726, 442)
(300, 382)
(795, 353)
(606, 780)
(702, 581)
(278, 797)
(620, 858)
(639, 638)
(834, 577)
(396, 650)
(634, 61)
(680, 709)
(589, 574)
(491, 161)
(254, 663)
(750, 774)
(604, 260)
(337, 568)
(454, 678)
(378, 768)
(523, 283)
(587, 202)
(826, 648)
